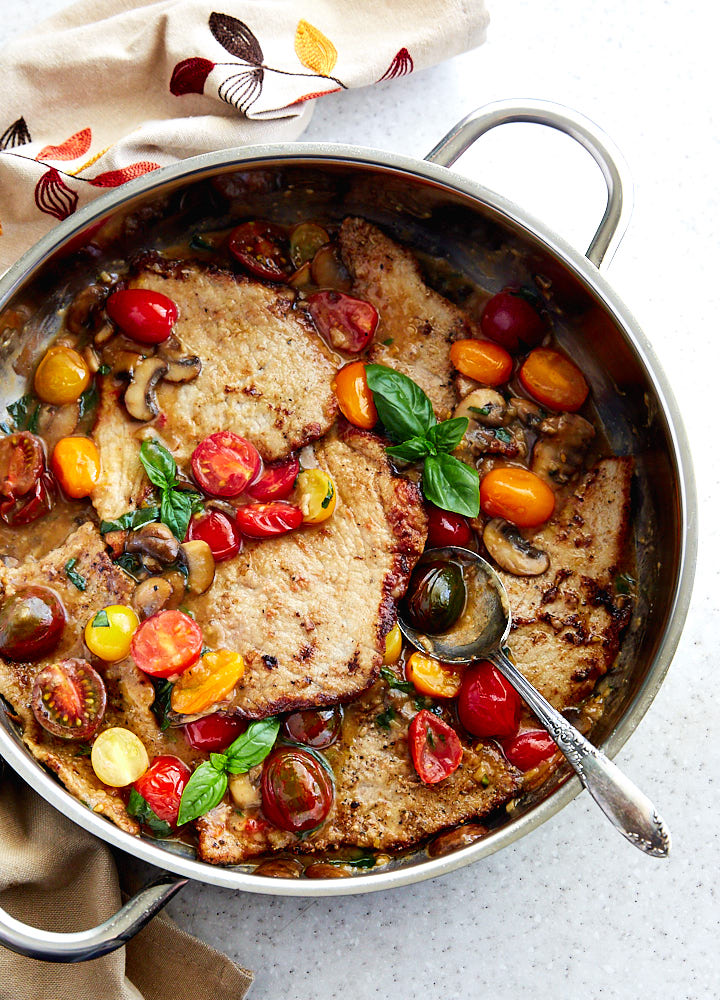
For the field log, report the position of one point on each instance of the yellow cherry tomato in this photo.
(518, 495)
(433, 677)
(108, 633)
(554, 380)
(354, 397)
(76, 464)
(482, 360)
(315, 495)
(393, 646)
(119, 757)
(62, 376)
(211, 679)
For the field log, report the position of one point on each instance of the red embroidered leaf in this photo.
(189, 76)
(76, 145)
(53, 196)
(236, 38)
(113, 178)
(401, 65)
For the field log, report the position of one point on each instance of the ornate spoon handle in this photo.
(631, 812)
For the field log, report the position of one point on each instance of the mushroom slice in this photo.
(511, 551)
(152, 595)
(155, 540)
(140, 398)
(197, 556)
(181, 367)
(484, 406)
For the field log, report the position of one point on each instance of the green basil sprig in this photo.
(408, 417)
(208, 783)
(176, 506)
(131, 519)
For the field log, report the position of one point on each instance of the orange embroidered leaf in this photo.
(317, 93)
(76, 145)
(113, 178)
(314, 49)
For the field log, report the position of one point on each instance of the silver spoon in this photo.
(479, 634)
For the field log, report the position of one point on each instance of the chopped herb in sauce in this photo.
(394, 681)
(624, 583)
(25, 413)
(199, 243)
(73, 576)
(101, 619)
(384, 719)
(503, 435)
(131, 519)
(161, 706)
(132, 564)
(88, 400)
(104, 370)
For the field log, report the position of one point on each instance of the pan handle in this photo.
(603, 150)
(80, 946)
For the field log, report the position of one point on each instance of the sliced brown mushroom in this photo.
(244, 792)
(511, 551)
(280, 867)
(140, 398)
(525, 410)
(85, 311)
(200, 562)
(182, 367)
(177, 581)
(484, 406)
(55, 422)
(560, 450)
(155, 540)
(151, 596)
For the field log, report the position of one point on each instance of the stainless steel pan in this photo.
(490, 239)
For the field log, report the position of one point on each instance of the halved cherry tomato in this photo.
(211, 680)
(142, 314)
(214, 732)
(22, 461)
(219, 531)
(305, 241)
(76, 464)
(266, 520)
(297, 790)
(529, 748)
(446, 528)
(162, 786)
(32, 622)
(33, 505)
(347, 324)
(435, 747)
(69, 698)
(315, 495)
(225, 463)
(109, 632)
(482, 360)
(510, 320)
(393, 645)
(433, 677)
(518, 495)
(487, 704)
(62, 376)
(318, 728)
(354, 397)
(262, 249)
(119, 757)
(276, 481)
(554, 380)
(166, 643)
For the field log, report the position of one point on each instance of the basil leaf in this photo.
(219, 761)
(624, 583)
(199, 243)
(384, 719)
(131, 519)
(503, 435)
(101, 619)
(140, 808)
(202, 793)
(403, 407)
(451, 485)
(73, 576)
(25, 413)
(88, 400)
(161, 706)
(448, 435)
(394, 681)
(253, 746)
(158, 464)
(104, 370)
(176, 509)
(412, 450)
(132, 565)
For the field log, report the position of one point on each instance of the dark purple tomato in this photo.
(69, 698)
(297, 790)
(31, 623)
(510, 320)
(262, 249)
(315, 727)
(446, 528)
(22, 460)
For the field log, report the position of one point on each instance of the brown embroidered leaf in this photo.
(113, 178)
(53, 196)
(77, 145)
(401, 65)
(236, 37)
(189, 76)
(241, 90)
(314, 49)
(14, 135)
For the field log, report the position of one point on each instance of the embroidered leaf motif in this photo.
(76, 145)
(241, 90)
(189, 76)
(53, 196)
(236, 37)
(314, 49)
(14, 135)
(401, 65)
(113, 178)
(317, 93)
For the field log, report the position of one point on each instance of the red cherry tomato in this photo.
(166, 643)
(276, 481)
(224, 463)
(510, 320)
(347, 324)
(262, 249)
(487, 704)
(215, 732)
(219, 531)
(32, 622)
(315, 727)
(33, 505)
(266, 520)
(435, 747)
(446, 528)
(142, 314)
(529, 748)
(162, 786)
(22, 460)
(297, 790)
(68, 699)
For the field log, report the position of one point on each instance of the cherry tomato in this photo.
(529, 748)
(76, 464)
(262, 249)
(219, 531)
(510, 320)
(142, 314)
(482, 360)
(215, 732)
(32, 506)
(166, 643)
(118, 757)
(224, 463)
(433, 677)
(518, 495)
(208, 682)
(62, 376)
(487, 704)
(22, 461)
(318, 728)
(109, 632)
(297, 790)
(162, 786)
(31, 623)
(354, 397)
(436, 596)
(315, 495)
(266, 520)
(393, 645)
(347, 324)
(305, 241)
(276, 481)
(554, 380)
(435, 747)
(68, 699)
(446, 528)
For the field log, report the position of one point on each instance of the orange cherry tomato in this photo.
(482, 360)
(211, 679)
(433, 677)
(62, 375)
(76, 464)
(354, 397)
(554, 380)
(518, 495)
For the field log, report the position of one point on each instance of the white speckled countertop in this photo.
(572, 909)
